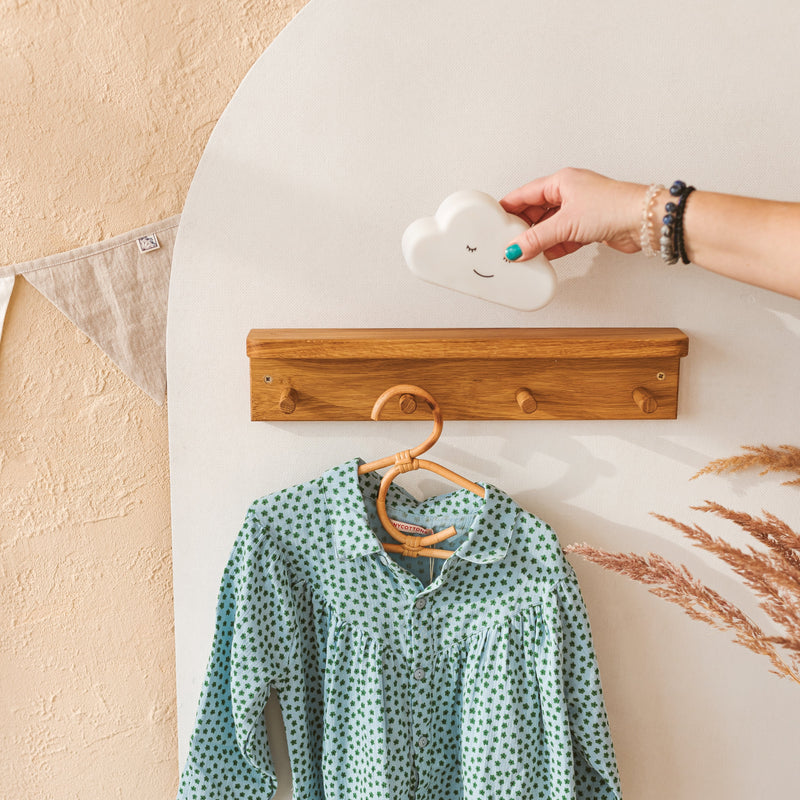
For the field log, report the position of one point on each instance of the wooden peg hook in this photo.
(404, 389)
(646, 402)
(526, 401)
(407, 403)
(288, 401)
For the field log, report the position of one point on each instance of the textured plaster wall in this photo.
(105, 106)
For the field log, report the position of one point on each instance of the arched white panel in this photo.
(362, 116)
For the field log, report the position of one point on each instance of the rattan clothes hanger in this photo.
(406, 461)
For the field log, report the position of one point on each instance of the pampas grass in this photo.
(785, 458)
(771, 572)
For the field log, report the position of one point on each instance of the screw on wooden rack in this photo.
(646, 402)
(288, 400)
(526, 401)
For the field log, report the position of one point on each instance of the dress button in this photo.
(422, 741)
(420, 604)
(419, 674)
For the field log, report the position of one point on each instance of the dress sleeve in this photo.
(569, 662)
(229, 756)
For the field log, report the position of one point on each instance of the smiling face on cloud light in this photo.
(463, 248)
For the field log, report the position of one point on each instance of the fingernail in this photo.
(513, 252)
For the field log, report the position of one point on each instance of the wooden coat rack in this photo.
(474, 373)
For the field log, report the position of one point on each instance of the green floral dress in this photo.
(472, 677)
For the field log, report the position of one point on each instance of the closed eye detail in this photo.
(471, 249)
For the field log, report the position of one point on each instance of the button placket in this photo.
(420, 688)
(420, 691)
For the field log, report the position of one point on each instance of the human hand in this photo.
(571, 208)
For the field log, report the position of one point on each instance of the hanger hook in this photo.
(407, 388)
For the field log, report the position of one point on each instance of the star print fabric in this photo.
(471, 678)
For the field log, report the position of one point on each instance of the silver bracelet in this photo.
(646, 228)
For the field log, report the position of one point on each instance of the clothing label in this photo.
(407, 527)
(148, 243)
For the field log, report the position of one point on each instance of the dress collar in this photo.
(347, 494)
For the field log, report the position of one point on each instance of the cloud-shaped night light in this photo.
(463, 248)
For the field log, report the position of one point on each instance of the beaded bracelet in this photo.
(647, 219)
(671, 241)
(680, 244)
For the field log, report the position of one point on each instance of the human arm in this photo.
(747, 239)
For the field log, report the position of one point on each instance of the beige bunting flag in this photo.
(116, 292)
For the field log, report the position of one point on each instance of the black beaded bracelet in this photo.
(671, 241)
(680, 244)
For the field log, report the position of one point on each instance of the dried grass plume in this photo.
(785, 458)
(771, 572)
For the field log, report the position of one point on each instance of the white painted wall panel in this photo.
(362, 116)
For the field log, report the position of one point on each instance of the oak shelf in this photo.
(474, 373)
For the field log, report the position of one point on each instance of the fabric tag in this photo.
(148, 243)
(407, 527)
